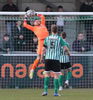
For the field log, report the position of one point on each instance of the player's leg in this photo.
(40, 46)
(69, 74)
(56, 76)
(36, 62)
(47, 76)
(61, 77)
(46, 82)
(60, 80)
(56, 68)
(34, 66)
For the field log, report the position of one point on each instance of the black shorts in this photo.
(52, 65)
(65, 65)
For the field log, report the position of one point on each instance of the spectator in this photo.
(48, 8)
(49, 23)
(80, 44)
(19, 41)
(12, 8)
(60, 9)
(60, 21)
(7, 44)
(87, 6)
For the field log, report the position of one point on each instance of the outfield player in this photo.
(41, 32)
(52, 49)
(65, 64)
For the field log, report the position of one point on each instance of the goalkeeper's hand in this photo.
(31, 73)
(33, 12)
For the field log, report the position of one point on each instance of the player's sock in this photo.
(35, 64)
(46, 81)
(69, 74)
(56, 85)
(60, 80)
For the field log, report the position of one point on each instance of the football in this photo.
(30, 13)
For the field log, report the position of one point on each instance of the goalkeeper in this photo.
(65, 65)
(41, 32)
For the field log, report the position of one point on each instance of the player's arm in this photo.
(42, 18)
(67, 50)
(65, 47)
(42, 54)
(28, 26)
(43, 50)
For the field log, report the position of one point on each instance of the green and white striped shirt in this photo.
(53, 43)
(64, 58)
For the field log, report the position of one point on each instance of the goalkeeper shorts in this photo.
(40, 46)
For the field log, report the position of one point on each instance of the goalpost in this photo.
(17, 56)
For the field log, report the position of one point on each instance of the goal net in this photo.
(18, 47)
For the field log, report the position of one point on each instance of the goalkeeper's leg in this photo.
(40, 46)
(34, 66)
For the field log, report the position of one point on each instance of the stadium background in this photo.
(14, 67)
(72, 25)
(73, 5)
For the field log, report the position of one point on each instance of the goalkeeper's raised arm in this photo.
(42, 18)
(40, 31)
(39, 28)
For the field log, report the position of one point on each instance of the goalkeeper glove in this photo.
(30, 13)
(31, 73)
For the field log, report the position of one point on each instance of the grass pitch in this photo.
(35, 94)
